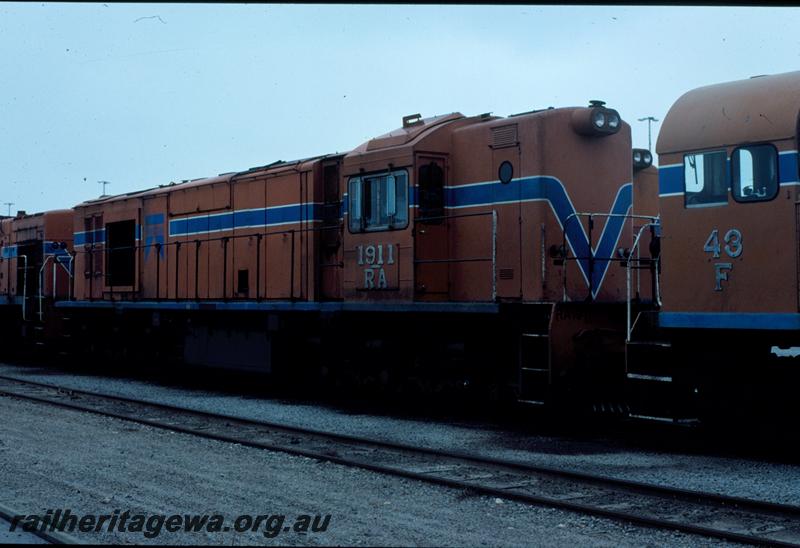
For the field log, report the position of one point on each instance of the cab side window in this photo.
(705, 179)
(754, 171)
(431, 191)
(378, 202)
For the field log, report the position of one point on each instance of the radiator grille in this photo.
(504, 136)
(506, 273)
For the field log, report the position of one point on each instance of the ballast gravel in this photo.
(17, 536)
(749, 478)
(54, 458)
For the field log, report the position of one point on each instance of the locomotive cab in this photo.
(457, 209)
(728, 188)
(520, 228)
(35, 269)
(729, 194)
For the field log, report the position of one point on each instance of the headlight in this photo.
(641, 158)
(596, 120)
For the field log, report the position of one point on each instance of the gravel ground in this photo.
(731, 476)
(53, 458)
(17, 537)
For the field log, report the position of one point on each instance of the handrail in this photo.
(457, 216)
(24, 286)
(625, 215)
(67, 269)
(158, 246)
(591, 258)
(41, 286)
(493, 258)
(629, 329)
(262, 237)
(494, 255)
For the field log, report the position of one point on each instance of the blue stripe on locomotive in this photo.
(250, 218)
(528, 189)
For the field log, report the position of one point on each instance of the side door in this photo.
(431, 230)
(506, 168)
(330, 259)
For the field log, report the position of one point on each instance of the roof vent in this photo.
(412, 120)
(758, 76)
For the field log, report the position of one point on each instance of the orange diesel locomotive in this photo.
(500, 244)
(35, 267)
(537, 253)
(728, 193)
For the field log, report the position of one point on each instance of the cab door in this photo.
(431, 230)
(331, 260)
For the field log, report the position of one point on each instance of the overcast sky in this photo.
(145, 94)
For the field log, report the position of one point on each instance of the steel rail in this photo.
(53, 537)
(771, 509)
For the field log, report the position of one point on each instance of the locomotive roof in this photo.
(23, 215)
(407, 133)
(221, 178)
(762, 108)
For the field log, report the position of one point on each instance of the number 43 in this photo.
(733, 243)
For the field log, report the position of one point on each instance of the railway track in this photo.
(709, 514)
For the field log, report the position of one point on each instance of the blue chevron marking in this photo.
(552, 191)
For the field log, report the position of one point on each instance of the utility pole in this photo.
(104, 183)
(9, 204)
(649, 120)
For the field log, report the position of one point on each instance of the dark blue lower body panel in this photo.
(729, 320)
(288, 306)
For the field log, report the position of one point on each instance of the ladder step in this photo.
(671, 420)
(534, 370)
(661, 344)
(531, 402)
(653, 378)
(538, 335)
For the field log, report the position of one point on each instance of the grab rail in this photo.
(591, 257)
(449, 260)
